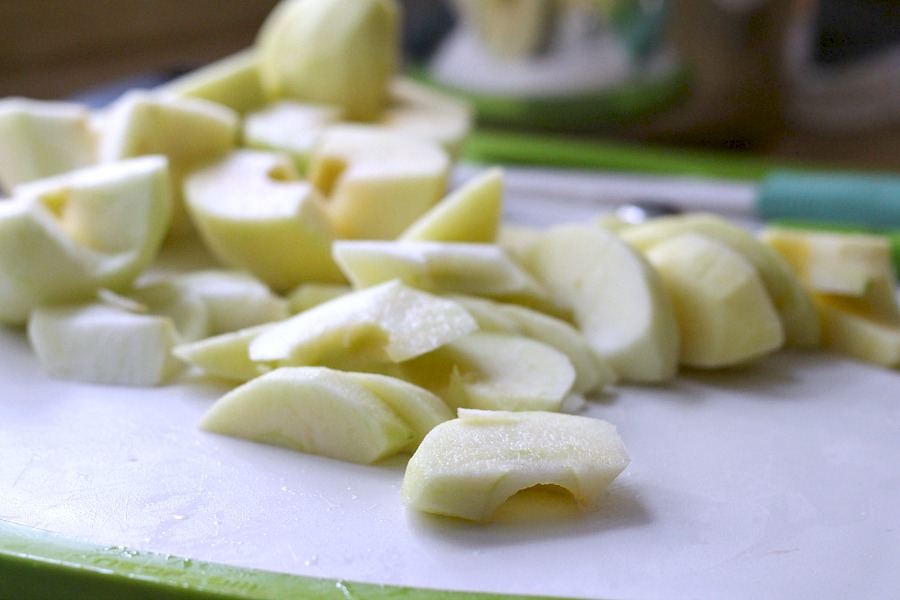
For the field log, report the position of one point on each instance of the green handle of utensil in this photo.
(861, 199)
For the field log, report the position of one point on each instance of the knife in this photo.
(592, 173)
(759, 187)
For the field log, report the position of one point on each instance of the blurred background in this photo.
(807, 80)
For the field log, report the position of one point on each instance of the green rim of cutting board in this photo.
(582, 111)
(40, 564)
(491, 146)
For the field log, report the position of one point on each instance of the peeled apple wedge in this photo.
(591, 372)
(421, 111)
(469, 466)
(419, 408)
(253, 213)
(121, 341)
(64, 237)
(40, 138)
(847, 264)
(234, 299)
(616, 297)
(386, 323)
(331, 52)
(791, 300)
(724, 313)
(377, 183)
(853, 327)
(307, 295)
(439, 267)
(470, 213)
(188, 311)
(290, 127)
(495, 371)
(233, 81)
(852, 282)
(190, 132)
(226, 355)
(313, 410)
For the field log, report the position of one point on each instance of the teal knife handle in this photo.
(867, 200)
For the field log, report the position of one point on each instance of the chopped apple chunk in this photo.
(235, 300)
(121, 340)
(293, 128)
(377, 182)
(232, 81)
(226, 355)
(469, 466)
(65, 237)
(188, 131)
(40, 138)
(832, 262)
(791, 300)
(852, 327)
(338, 53)
(724, 313)
(254, 213)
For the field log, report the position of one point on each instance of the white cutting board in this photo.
(781, 480)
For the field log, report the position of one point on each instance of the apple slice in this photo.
(226, 355)
(425, 112)
(469, 466)
(232, 81)
(516, 239)
(376, 182)
(724, 313)
(331, 52)
(617, 299)
(853, 327)
(386, 323)
(495, 371)
(290, 127)
(313, 410)
(418, 407)
(439, 267)
(592, 373)
(235, 300)
(307, 295)
(828, 262)
(65, 237)
(469, 214)
(254, 214)
(190, 132)
(791, 300)
(852, 282)
(187, 310)
(40, 138)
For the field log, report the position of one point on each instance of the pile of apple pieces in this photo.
(268, 186)
(393, 304)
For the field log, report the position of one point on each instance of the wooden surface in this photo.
(57, 48)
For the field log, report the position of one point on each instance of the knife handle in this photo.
(866, 200)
